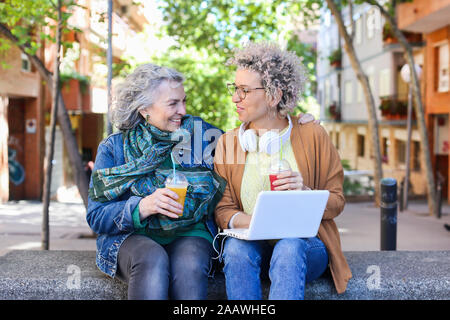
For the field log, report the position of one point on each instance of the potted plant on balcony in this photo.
(392, 108)
(335, 58)
(75, 90)
(388, 34)
(402, 108)
(334, 112)
(385, 106)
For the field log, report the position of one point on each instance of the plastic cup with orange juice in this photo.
(178, 183)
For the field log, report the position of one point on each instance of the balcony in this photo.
(423, 16)
(335, 58)
(75, 90)
(394, 108)
(390, 38)
(334, 112)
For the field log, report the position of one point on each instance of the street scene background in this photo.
(196, 38)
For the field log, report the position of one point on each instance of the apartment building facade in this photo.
(432, 20)
(25, 102)
(343, 109)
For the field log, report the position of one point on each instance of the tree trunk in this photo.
(109, 57)
(48, 166)
(4, 133)
(63, 119)
(370, 103)
(418, 108)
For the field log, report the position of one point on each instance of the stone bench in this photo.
(376, 275)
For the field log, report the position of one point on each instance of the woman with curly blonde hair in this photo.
(267, 87)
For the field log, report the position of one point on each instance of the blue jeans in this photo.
(178, 270)
(291, 263)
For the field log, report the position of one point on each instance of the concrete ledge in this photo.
(54, 275)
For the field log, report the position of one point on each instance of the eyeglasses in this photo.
(241, 92)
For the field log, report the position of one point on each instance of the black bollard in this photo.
(388, 208)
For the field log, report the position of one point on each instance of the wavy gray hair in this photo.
(139, 91)
(279, 69)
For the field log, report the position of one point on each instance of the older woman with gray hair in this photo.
(266, 89)
(145, 237)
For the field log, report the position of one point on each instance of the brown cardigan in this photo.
(321, 169)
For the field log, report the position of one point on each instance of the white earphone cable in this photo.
(219, 254)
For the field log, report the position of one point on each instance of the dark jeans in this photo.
(178, 270)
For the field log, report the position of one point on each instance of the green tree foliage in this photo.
(25, 23)
(26, 20)
(308, 55)
(205, 87)
(220, 25)
(206, 32)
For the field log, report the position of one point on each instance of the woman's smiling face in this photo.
(168, 108)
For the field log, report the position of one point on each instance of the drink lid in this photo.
(179, 179)
(278, 165)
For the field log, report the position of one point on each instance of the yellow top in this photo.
(256, 173)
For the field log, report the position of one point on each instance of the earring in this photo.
(147, 118)
(273, 112)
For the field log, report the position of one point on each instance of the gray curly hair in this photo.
(279, 69)
(139, 91)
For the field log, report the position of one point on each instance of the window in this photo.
(361, 145)
(385, 150)
(327, 18)
(327, 41)
(359, 93)
(358, 30)
(401, 151)
(443, 75)
(373, 22)
(337, 140)
(26, 64)
(348, 91)
(327, 93)
(385, 83)
(370, 23)
(441, 136)
(331, 96)
(416, 155)
(371, 78)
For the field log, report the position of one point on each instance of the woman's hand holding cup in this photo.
(289, 180)
(162, 201)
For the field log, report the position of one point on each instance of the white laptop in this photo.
(284, 214)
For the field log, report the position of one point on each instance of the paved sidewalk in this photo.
(21, 224)
(359, 226)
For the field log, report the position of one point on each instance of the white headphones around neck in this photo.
(269, 142)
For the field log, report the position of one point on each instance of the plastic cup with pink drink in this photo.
(276, 167)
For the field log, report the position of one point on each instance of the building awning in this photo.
(423, 16)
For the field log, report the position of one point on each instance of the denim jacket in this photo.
(112, 221)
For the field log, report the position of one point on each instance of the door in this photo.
(16, 149)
